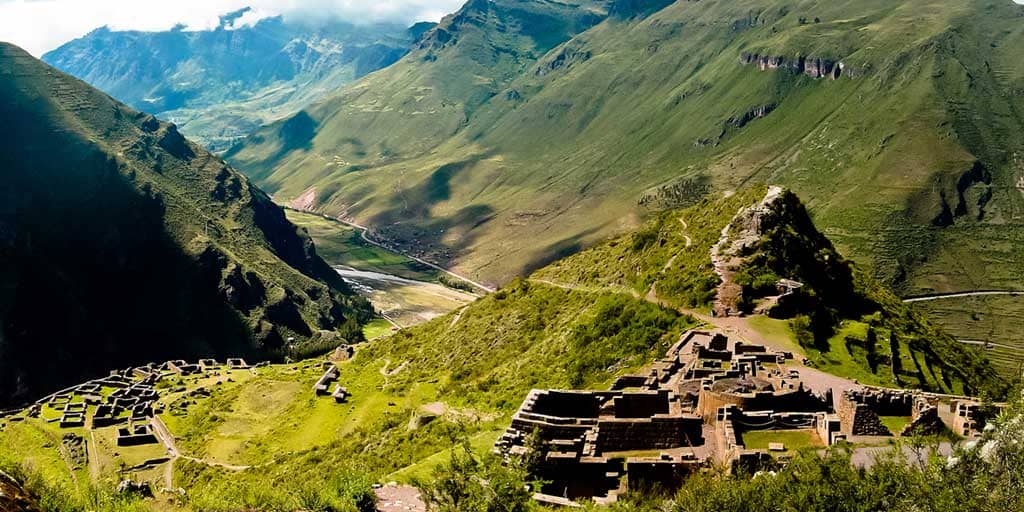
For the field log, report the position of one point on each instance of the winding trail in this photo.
(956, 295)
(167, 438)
(364, 233)
(689, 241)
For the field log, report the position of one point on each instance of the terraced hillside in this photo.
(121, 242)
(518, 131)
(219, 85)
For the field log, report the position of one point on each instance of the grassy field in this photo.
(895, 424)
(377, 328)
(340, 244)
(792, 439)
(776, 330)
(413, 396)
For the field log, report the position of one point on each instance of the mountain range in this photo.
(121, 241)
(518, 131)
(219, 85)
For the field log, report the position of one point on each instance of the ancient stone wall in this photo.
(857, 419)
(798, 400)
(567, 404)
(614, 435)
(641, 405)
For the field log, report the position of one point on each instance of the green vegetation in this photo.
(489, 132)
(467, 483)
(844, 322)
(895, 424)
(128, 244)
(339, 244)
(377, 328)
(413, 393)
(994, 320)
(792, 440)
(669, 255)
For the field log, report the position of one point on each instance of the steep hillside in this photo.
(414, 395)
(220, 85)
(122, 242)
(729, 254)
(898, 122)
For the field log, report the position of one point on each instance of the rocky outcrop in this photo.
(969, 197)
(14, 497)
(563, 59)
(814, 67)
(755, 113)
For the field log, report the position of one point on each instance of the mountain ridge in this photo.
(122, 240)
(218, 85)
(635, 114)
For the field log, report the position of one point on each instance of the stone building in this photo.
(693, 408)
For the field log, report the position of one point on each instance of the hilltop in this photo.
(534, 129)
(123, 242)
(219, 85)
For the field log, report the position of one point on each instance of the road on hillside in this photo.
(955, 295)
(987, 344)
(364, 233)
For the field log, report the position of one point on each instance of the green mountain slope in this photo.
(843, 321)
(898, 122)
(576, 324)
(219, 85)
(123, 242)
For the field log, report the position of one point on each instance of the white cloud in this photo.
(42, 25)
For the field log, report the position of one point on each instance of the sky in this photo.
(42, 25)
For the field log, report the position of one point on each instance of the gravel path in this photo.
(399, 498)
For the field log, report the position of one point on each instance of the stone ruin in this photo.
(237, 364)
(691, 409)
(323, 384)
(322, 387)
(926, 413)
(136, 435)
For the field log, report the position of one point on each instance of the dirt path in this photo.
(458, 316)
(689, 241)
(987, 344)
(399, 498)
(364, 233)
(94, 461)
(956, 295)
(167, 438)
(387, 362)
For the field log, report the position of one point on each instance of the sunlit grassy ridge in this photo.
(852, 326)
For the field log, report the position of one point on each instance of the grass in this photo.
(776, 330)
(895, 424)
(377, 328)
(988, 319)
(792, 439)
(339, 244)
(466, 162)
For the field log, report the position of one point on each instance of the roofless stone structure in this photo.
(695, 407)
